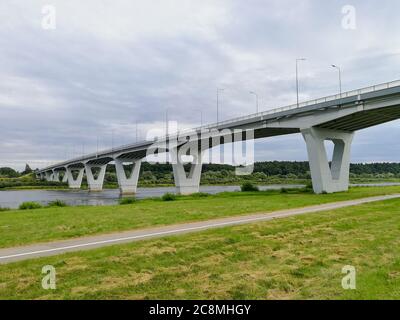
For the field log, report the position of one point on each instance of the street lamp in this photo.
(340, 78)
(97, 147)
(297, 78)
(166, 122)
(112, 140)
(218, 91)
(256, 95)
(136, 131)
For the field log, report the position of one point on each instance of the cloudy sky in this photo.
(108, 64)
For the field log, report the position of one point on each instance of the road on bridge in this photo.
(86, 243)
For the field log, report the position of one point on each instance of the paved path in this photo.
(86, 243)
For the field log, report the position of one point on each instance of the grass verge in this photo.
(56, 223)
(299, 257)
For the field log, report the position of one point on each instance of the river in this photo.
(13, 198)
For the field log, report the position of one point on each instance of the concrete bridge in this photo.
(335, 118)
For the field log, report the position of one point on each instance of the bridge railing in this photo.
(378, 87)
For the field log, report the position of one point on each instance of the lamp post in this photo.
(112, 140)
(340, 78)
(256, 95)
(218, 91)
(136, 131)
(297, 78)
(166, 122)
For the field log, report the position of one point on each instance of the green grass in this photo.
(300, 257)
(125, 201)
(57, 223)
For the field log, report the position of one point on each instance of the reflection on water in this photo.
(12, 199)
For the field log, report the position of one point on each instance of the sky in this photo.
(86, 77)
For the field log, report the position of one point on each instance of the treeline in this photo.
(273, 168)
(270, 168)
(6, 172)
(269, 172)
(10, 178)
(375, 168)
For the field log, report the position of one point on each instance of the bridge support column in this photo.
(187, 183)
(127, 185)
(65, 177)
(56, 176)
(74, 183)
(48, 175)
(95, 184)
(325, 178)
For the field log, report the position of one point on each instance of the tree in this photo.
(8, 172)
(27, 170)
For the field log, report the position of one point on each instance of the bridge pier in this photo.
(127, 185)
(325, 178)
(48, 175)
(95, 184)
(56, 176)
(187, 183)
(74, 183)
(65, 177)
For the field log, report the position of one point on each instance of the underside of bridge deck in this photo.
(363, 119)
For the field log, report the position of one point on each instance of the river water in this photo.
(12, 199)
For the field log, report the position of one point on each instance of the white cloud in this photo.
(112, 63)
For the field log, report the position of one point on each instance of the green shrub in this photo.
(284, 190)
(311, 191)
(127, 200)
(200, 195)
(309, 185)
(168, 197)
(29, 205)
(57, 203)
(4, 209)
(248, 187)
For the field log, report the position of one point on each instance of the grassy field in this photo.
(30, 226)
(299, 257)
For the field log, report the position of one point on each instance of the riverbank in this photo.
(112, 186)
(293, 258)
(12, 199)
(57, 223)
